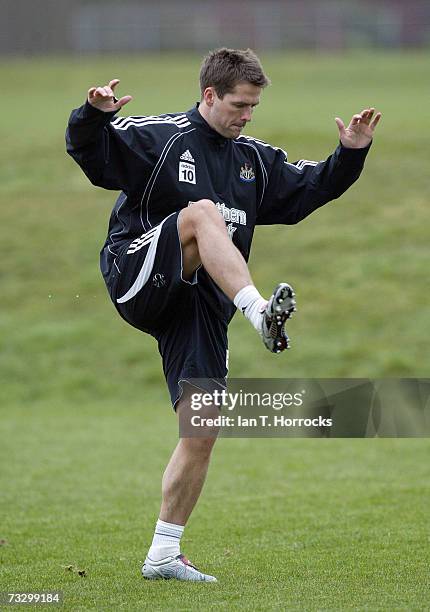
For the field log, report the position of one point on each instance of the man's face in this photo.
(229, 115)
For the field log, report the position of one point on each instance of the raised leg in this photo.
(205, 241)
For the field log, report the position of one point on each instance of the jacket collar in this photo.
(196, 119)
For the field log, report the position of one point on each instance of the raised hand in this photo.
(360, 130)
(104, 99)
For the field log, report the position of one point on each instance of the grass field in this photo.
(86, 425)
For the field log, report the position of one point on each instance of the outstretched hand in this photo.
(359, 132)
(104, 99)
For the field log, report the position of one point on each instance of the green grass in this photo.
(297, 524)
(86, 425)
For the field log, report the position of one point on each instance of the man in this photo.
(192, 191)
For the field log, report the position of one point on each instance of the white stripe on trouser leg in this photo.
(145, 271)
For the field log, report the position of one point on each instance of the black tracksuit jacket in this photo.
(160, 163)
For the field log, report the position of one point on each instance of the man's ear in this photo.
(209, 96)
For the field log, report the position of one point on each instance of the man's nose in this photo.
(246, 115)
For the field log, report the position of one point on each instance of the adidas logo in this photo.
(186, 156)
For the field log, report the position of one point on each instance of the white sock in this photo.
(166, 541)
(252, 304)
